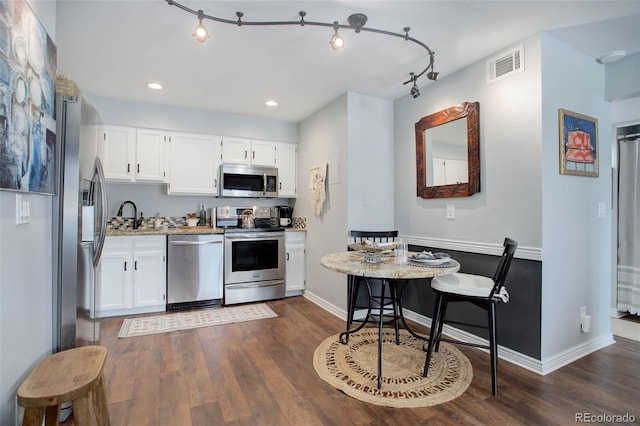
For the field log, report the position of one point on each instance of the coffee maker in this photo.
(285, 213)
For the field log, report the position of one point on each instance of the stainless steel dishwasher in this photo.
(194, 270)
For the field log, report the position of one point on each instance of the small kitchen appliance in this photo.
(286, 215)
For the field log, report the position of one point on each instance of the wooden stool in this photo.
(73, 375)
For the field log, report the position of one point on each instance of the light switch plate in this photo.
(22, 209)
(451, 211)
(602, 210)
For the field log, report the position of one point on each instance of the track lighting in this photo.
(336, 42)
(200, 31)
(357, 22)
(415, 92)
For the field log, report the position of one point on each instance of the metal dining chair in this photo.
(483, 292)
(355, 283)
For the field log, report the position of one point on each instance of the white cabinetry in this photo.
(287, 164)
(449, 171)
(131, 277)
(130, 154)
(194, 164)
(248, 152)
(294, 246)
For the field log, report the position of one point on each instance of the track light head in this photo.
(415, 92)
(200, 31)
(336, 41)
(432, 75)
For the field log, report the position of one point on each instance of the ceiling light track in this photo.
(356, 21)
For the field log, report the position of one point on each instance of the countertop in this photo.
(176, 231)
(165, 231)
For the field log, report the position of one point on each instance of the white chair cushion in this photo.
(463, 284)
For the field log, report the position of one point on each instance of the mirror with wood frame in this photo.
(448, 152)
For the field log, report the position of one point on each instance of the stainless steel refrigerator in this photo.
(79, 222)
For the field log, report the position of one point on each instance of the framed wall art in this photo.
(27, 101)
(579, 151)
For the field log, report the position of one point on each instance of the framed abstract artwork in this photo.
(579, 151)
(27, 101)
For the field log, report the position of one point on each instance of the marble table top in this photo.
(352, 263)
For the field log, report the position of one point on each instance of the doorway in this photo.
(627, 299)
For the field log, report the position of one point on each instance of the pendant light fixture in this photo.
(200, 31)
(357, 22)
(336, 42)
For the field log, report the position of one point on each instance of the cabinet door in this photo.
(194, 164)
(263, 153)
(149, 155)
(235, 150)
(295, 258)
(117, 152)
(149, 278)
(113, 287)
(287, 156)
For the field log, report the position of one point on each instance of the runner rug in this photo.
(353, 369)
(193, 319)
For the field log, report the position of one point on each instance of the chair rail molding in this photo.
(528, 253)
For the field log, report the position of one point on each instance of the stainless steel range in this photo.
(254, 255)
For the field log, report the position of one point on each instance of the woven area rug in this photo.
(194, 319)
(353, 369)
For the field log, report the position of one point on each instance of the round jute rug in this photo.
(353, 369)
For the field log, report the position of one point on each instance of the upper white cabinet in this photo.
(195, 159)
(130, 154)
(287, 164)
(248, 152)
(448, 172)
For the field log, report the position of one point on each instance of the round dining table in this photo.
(394, 277)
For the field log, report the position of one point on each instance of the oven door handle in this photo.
(256, 284)
(193, 243)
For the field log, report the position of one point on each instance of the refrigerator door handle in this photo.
(99, 174)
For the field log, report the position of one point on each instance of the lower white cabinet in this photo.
(294, 246)
(131, 276)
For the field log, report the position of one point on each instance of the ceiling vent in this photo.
(505, 65)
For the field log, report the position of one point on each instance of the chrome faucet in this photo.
(136, 221)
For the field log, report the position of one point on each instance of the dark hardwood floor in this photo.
(261, 373)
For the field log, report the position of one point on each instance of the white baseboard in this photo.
(540, 367)
(617, 314)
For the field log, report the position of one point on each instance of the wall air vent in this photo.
(505, 65)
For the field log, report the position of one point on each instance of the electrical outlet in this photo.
(602, 210)
(451, 211)
(583, 312)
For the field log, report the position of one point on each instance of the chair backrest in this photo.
(500, 276)
(374, 236)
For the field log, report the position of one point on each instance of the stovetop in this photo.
(235, 229)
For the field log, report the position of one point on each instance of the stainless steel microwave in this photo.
(248, 181)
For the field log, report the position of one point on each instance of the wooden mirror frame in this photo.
(470, 110)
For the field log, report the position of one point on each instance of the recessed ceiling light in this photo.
(616, 55)
(154, 86)
(271, 103)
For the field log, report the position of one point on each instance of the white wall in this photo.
(370, 166)
(138, 114)
(356, 132)
(324, 136)
(509, 200)
(577, 244)
(26, 332)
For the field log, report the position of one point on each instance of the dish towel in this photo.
(317, 191)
